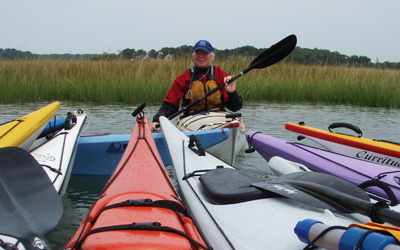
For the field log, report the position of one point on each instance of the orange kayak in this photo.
(139, 207)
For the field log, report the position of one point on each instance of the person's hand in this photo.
(154, 126)
(231, 87)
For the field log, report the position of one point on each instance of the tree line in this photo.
(299, 55)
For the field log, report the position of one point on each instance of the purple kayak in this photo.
(319, 160)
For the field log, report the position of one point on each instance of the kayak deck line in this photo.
(18, 121)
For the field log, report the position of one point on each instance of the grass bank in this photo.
(132, 82)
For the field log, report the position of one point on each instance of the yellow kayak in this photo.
(22, 132)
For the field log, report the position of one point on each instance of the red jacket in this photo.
(232, 101)
(182, 83)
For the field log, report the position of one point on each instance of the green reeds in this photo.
(131, 82)
(330, 85)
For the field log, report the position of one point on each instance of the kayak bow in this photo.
(138, 207)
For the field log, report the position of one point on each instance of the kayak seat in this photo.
(228, 186)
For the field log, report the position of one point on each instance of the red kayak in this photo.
(139, 207)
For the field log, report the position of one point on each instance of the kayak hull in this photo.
(138, 205)
(261, 223)
(379, 152)
(99, 154)
(228, 149)
(23, 131)
(345, 167)
(57, 153)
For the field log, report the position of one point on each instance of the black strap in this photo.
(147, 226)
(361, 240)
(54, 170)
(196, 172)
(311, 244)
(194, 141)
(210, 73)
(167, 204)
(7, 246)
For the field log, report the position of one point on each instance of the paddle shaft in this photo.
(390, 216)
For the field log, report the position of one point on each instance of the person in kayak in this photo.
(195, 82)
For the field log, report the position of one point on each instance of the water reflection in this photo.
(82, 192)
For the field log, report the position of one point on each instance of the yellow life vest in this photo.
(198, 89)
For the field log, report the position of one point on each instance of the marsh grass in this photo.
(330, 85)
(132, 82)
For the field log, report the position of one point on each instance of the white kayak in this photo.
(236, 210)
(281, 166)
(56, 153)
(207, 120)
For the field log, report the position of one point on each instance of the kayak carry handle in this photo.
(233, 115)
(194, 141)
(382, 185)
(70, 121)
(345, 125)
(139, 109)
(250, 149)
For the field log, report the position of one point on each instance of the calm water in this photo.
(268, 118)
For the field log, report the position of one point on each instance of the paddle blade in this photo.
(330, 181)
(30, 206)
(344, 196)
(288, 191)
(305, 187)
(275, 53)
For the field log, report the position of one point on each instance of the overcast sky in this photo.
(352, 27)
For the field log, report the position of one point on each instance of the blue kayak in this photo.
(99, 154)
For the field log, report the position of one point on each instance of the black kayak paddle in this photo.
(331, 191)
(30, 206)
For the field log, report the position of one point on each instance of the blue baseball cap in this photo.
(204, 45)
